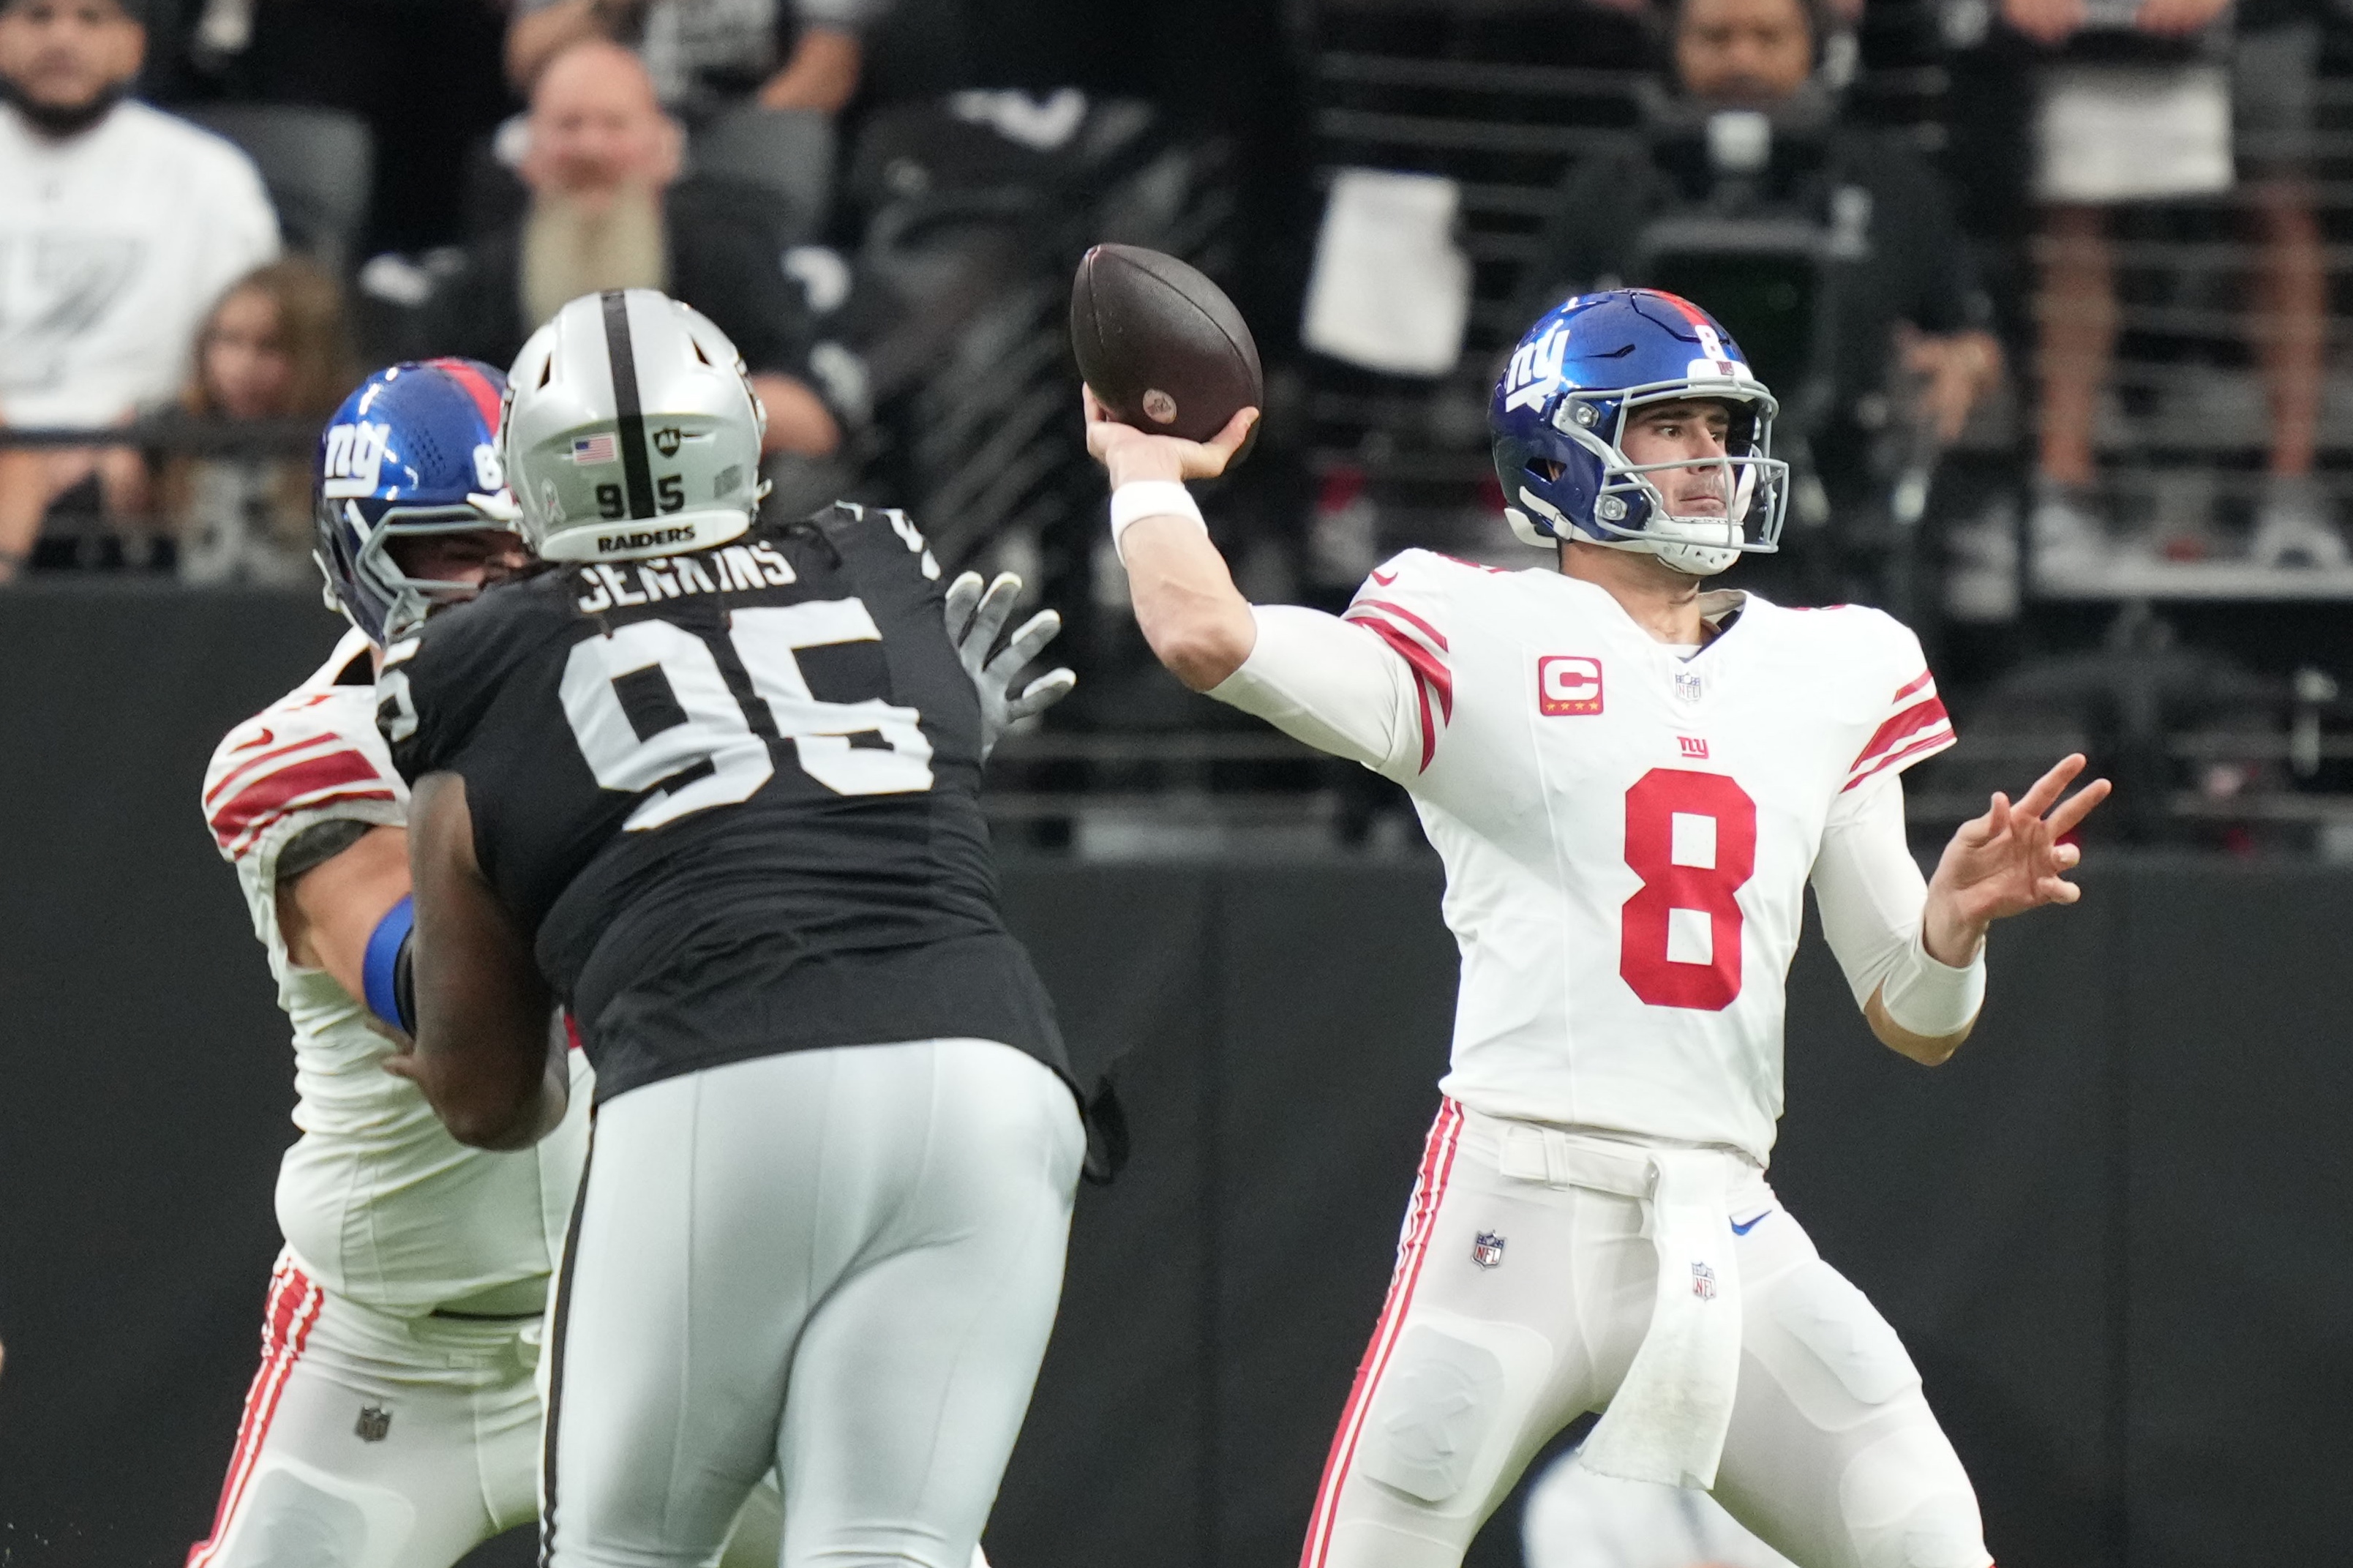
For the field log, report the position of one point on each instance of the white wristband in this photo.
(1134, 501)
(1931, 998)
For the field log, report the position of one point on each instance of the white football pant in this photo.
(1517, 1306)
(375, 1441)
(843, 1263)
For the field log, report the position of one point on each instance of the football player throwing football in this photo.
(1631, 779)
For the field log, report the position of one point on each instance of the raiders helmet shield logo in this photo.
(1487, 1250)
(374, 1424)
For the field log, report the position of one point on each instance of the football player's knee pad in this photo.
(1450, 1408)
(1829, 1348)
(1907, 1502)
(293, 1516)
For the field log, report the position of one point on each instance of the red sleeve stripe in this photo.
(1903, 756)
(1428, 667)
(1921, 679)
(1927, 709)
(338, 775)
(1900, 731)
(1927, 740)
(1437, 639)
(262, 759)
(1428, 675)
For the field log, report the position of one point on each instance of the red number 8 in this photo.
(1652, 806)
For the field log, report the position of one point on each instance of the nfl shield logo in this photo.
(667, 439)
(1688, 686)
(1703, 1283)
(1487, 1250)
(374, 1424)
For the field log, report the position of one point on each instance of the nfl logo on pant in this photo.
(374, 1424)
(1703, 1283)
(1487, 1250)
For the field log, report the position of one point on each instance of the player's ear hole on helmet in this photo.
(1550, 468)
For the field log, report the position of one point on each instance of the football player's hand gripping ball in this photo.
(1132, 453)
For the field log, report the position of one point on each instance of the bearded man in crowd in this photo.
(607, 210)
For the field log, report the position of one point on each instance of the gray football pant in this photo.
(844, 1262)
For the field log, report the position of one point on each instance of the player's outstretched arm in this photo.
(1196, 622)
(975, 619)
(2008, 861)
(484, 1055)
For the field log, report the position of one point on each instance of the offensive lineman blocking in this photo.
(1631, 783)
(394, 1419)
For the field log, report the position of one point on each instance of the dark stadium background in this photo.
(2111, 1232)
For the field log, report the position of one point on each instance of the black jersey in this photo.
(734, 796)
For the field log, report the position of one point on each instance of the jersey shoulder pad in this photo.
(1416, 588)
(437, 682)
(850, 520)
(1897, 690)
(312, 750)
(1407, 602)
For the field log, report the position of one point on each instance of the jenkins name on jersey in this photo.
(376, 1201)
(733, 794)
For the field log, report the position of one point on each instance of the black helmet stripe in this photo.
(637, 468)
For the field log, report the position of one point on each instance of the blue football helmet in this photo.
(414, 450)
(1558, 420)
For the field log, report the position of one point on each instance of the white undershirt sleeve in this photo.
(1871, 895)
(1335, 686)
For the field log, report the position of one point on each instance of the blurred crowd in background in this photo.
(2050, 291)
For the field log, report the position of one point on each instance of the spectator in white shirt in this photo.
(120, 227)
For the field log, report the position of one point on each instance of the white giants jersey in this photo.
(376, 1200)
(1627, 831)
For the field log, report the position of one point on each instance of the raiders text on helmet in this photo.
(1559, 417)
(631, 430)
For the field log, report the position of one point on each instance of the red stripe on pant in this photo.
(294, 1301)
(1422, 1219)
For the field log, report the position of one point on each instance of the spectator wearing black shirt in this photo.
(606, 211)
(708, 55)
(1900, 278)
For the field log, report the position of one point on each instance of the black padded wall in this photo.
(2111, 1231)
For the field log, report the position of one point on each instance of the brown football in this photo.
(1160, 346)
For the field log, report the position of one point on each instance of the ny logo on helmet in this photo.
(1534, 370)
(355, 459)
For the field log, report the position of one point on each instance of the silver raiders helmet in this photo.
(631, 430)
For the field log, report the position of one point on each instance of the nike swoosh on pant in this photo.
(1740, 1228)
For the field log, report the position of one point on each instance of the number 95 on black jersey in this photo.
(734, 795)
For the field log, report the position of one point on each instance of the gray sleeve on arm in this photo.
(1336, 687)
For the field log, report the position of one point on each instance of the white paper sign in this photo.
(2124, 134)
(1390, 291)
